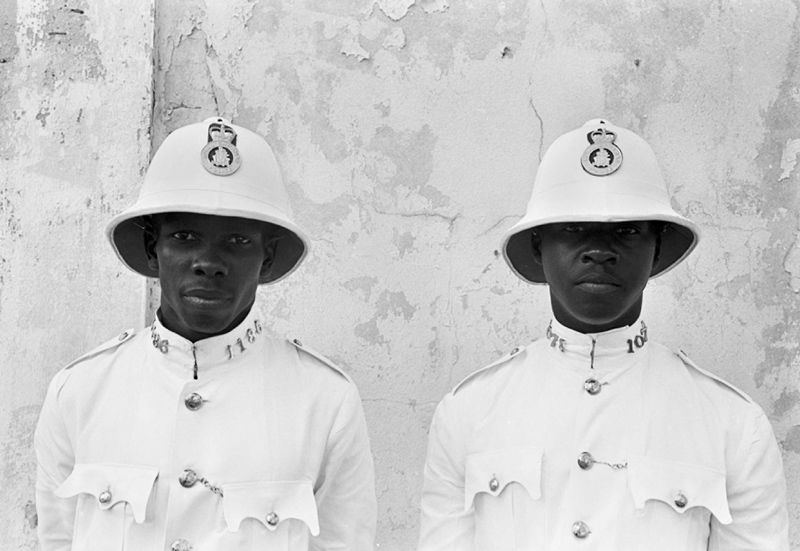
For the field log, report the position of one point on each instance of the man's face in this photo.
(208, 267)
(596, 271)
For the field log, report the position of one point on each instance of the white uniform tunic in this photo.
(266, 448)
(601, 442)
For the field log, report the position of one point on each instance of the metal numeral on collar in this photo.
(158, 342)
(555, 340)
(250, 336)
(639, 340)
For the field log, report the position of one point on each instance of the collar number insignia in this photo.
(602, 157)
(220, 155)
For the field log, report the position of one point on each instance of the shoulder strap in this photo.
(688, 361)
(299, 345)
(515, 352)
(125, 336)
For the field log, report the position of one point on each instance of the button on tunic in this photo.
(266, 449)
(593, 451)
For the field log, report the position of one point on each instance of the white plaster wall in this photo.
(75, 98)
(409, 133)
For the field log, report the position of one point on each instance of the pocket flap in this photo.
(270, 502)
(111, 484)
(491, 471)
(679, 485)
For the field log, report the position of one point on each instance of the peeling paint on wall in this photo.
(789, 157)
(75, 98)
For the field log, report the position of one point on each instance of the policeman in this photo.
(595, 437)
(201, 432)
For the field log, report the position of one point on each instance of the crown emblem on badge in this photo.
(602, 157)
(220, 156)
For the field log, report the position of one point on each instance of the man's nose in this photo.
(599, 255)
(209, 263)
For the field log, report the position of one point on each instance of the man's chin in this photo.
(202, 325)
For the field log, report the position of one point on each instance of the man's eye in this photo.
(241, 240)
(628, 230)
(573, 228)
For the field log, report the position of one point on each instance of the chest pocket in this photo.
(110, 498)
(273, 515)
(676, 500)
(500, 486)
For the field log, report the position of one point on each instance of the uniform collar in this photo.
(601, 351)
(220, 349)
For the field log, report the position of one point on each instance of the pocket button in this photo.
(681, 500)
(580, 530)
(181, 545)
(494, 484)
(272, 519)
(105, 497)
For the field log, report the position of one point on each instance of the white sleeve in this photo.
(54, 462)
(446, 523)
(756, 494)
(346, 502)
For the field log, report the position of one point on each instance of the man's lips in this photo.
(597, 283)
(202, 297)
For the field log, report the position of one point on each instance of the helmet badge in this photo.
(602, 157)
(220, 155)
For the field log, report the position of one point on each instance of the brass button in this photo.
(515, 351)
(494, 484)
(181, 545)
(272, 519)
(123, 336)
(585, 461)
(592, 386)
(193, 401)
(188, 478)
(105, 497)
(681, 500)
(580, 529)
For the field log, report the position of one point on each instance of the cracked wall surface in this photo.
(409, 133)
(75, 101)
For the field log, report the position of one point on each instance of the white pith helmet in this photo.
(213, 167)
(599, 173)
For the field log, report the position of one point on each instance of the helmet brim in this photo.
(608, 203)
(126, 231)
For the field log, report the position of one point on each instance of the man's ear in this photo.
(270, 249)
(659, 230)
(150, 239)
(536, 246)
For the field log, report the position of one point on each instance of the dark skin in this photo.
(209, 268)
(597, 271)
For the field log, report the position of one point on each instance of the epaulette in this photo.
(514, 352)
(688, 361)
(108, 345)
(314, 354)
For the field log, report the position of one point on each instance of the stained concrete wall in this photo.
(409, 133)
(75, 102)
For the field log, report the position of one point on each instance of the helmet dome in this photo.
(217, 168)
